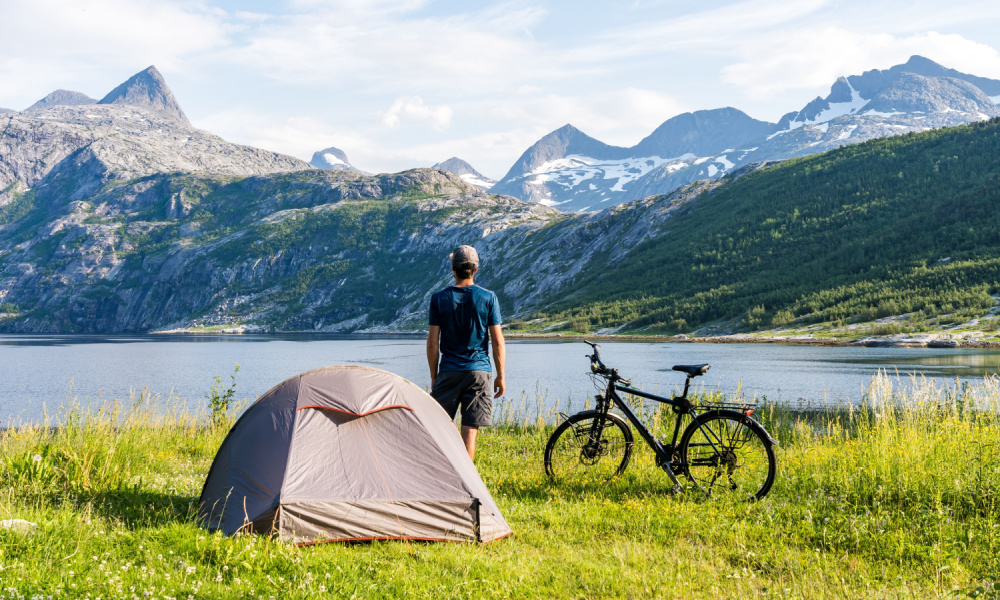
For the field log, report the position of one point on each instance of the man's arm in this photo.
(433, 336)
(499, 357)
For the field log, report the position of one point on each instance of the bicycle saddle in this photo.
(692, 370)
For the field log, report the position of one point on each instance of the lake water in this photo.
(46, 371)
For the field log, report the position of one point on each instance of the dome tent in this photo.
(348, 453)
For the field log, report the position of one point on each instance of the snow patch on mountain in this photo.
(332, 159)
(995, 99)
(466, 172)
(573, 170)
(477, 181)
(831, 112)
(846, 133)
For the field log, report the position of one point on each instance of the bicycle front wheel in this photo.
(728, 455)
(589, 447)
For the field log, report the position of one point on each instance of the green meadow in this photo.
(898, 497)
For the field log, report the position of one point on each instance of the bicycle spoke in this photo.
(724, 456)
(588, 449)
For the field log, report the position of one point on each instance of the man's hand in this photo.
(433, 334)
(500, 358)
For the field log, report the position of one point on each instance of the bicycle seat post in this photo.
(687, 382)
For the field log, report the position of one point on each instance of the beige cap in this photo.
(463, 255)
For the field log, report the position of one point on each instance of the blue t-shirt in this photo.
(464, 315)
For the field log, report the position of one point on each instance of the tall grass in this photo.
(893, 497)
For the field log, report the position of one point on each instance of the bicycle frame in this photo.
(719, 444)
(681, 405)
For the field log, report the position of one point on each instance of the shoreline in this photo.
(937, 341)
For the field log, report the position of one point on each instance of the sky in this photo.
(398, 84)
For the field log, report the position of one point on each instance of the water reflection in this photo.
(961, 362)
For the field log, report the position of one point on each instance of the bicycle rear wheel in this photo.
(589, 447)
(727, 454)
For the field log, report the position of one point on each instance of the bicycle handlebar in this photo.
(598, 366)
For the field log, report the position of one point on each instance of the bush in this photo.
(782, 318)
(754, 317)
(221, 399)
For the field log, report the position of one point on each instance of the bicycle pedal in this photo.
(677, 489)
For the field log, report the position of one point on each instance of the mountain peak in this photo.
(330, 158)
(702, 133)
(457, 166)
(334, 159)
(869, 83)
(147, 88)
(565, 141)
(466, 172)
(63, 98)
(919, 62)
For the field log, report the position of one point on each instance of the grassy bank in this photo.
(898, 499)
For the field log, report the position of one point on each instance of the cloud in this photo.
(815, 57)
(389, 45)
(716, 30)
(489, 152)
(412, 108)
(621, 116)
(298, 136)
(48, 44)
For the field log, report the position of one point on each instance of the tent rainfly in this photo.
(348, 453)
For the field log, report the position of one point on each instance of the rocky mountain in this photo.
(147, 89)
(333, 158)
(906, 103)
(466, 172)
(124, 218)
(88, 147)
(7, 110)
(573, 171)
(338, 251)
(63, 98)
(316, 250)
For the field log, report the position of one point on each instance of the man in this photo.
(462, 318)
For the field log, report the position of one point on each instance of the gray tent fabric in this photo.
(348, 453)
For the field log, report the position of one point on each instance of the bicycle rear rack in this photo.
(745, 408)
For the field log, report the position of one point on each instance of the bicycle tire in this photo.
(731, 449)
(574, 455)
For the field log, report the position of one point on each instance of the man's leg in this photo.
(447, 391)
(469, 437)
(477, 408)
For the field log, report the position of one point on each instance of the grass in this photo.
(897, 498)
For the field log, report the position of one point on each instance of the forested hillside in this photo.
(901, 225)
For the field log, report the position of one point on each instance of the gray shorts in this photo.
(469, 389)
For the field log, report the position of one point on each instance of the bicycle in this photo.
(723, 451)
